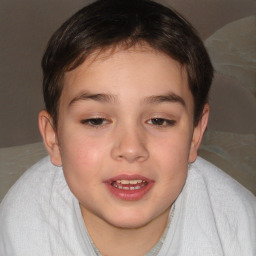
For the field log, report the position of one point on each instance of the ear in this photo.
(198, 134)
(49, 136)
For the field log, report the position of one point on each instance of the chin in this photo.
(128, 224)
(130, 220)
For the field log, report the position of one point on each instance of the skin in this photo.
(127, 130)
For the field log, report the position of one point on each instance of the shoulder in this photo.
(33, 184)
(233, 207)
(26, 206)
(39, 215)
(30, 191)
(219, 183)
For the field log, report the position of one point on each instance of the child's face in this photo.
(125, 135)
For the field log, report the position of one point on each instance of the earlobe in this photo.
(198, 134)
(49, 136)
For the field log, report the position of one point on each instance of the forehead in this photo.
(121, 71)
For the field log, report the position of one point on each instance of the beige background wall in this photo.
(25, 27)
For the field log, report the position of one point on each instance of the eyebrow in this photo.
(170, 97)
(100, 97)
(110, 98)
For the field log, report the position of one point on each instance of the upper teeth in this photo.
(126, 182)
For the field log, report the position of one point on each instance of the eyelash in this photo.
(163, 122)
(158, 122)
(94, 122)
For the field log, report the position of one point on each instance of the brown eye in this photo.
(158, 121)
(161, 122)
(94, 121)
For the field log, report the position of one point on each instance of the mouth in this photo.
(129, 187)
(129, 184)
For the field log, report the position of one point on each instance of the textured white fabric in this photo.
(214, 216)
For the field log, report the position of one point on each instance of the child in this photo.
(125, 88)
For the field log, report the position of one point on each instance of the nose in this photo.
(130, 145)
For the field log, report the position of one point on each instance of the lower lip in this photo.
(130, 195)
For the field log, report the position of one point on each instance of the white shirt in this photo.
(214, 216)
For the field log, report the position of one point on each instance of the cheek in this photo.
(82, 160)
(171, 156)
(174, 148)
(80, 153)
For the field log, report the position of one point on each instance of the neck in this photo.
(113, 241)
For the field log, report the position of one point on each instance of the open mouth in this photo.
(129, 187)
(129, 184)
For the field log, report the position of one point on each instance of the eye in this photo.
(94, 121)
(161, 122)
